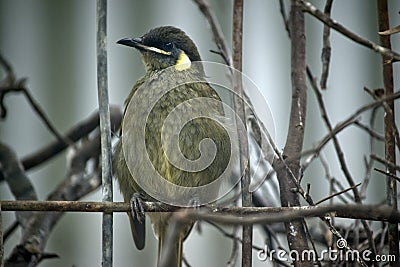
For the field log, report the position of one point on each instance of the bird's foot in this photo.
(195, 203)
(137, 210)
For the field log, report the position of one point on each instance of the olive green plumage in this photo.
(161, 48)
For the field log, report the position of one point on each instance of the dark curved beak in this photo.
(132, 42)
(138, 44)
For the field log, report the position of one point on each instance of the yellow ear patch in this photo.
(183, 62)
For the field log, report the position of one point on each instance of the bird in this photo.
(161, 49)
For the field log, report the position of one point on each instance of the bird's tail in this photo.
(170, 253)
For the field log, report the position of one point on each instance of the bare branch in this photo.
(77, 132)
(340, 156)
(390, 31)
(7, 67)
(295, 136)
(388, 174)
(18, 182)
(10, 230)
(20, 87)
(391, 124)
(336, 194)
(227, 215)
(11, 84)
(321, 144)
(235, 249)
(219, 38)
(312, 10)
(370, 131)
(39, 226)
(318, 261)
(282, 9)
(235, 246)
(385, 162)
(326, 46)
(338, 148)
(306, 196)
(350, 119)
(185, 261)
(369, 162)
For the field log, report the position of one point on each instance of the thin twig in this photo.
(77, 184)
(36, 107)
(388, 174)
(370, 131)
(328, 124)
(10, 230)
(390, 31)
(326, 46)
(336, 194)
(18, 182)
(76, 133)
(390, 126)
(282, 9)
(7, 66)
(185, 261)
(383, 235)
(328, 177)
(11, 84)
(369, 162)
(312, 10)
(318, 261)
(209, 14)
(235, 248)
(352, 118)
(237, 239)
(340, 156)
(230, 235)
(367, 177)
(346, 197)
(385, 162)
(321, 144)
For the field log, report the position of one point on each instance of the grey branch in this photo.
(226, 215)
(315, 12)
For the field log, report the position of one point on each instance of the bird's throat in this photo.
(183, 62)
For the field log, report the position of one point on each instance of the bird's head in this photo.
(164, 47)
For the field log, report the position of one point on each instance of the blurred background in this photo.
(53, 44)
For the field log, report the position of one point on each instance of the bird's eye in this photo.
(168, 46)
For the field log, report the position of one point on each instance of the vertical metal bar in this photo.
(247, 234)
(105, 129)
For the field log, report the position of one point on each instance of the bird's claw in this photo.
(194, 202)
(137, 210)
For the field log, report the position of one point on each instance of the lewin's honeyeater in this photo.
(162, 48)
